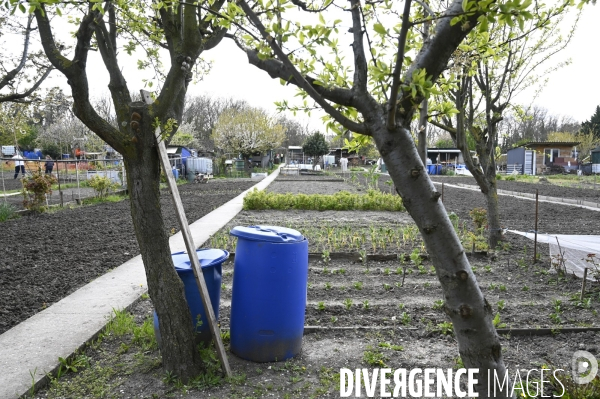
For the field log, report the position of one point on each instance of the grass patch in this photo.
(7, 211)
(109, 198)
(342, 201)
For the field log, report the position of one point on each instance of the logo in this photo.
(584, 367)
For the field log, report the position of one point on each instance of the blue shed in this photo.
(178, 156)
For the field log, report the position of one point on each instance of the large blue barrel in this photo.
(269, 293)
(210, 262)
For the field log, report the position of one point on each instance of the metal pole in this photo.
(58, 178)
(536, 227)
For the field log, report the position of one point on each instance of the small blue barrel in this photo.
(269, 293)
(210, 261)
(176, 173)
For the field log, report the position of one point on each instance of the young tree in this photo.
(315, 146)
(246, 132)
(185, 32)
(491, 70)
(377, 95)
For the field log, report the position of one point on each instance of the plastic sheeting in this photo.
(574, 249)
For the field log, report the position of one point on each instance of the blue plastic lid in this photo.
(267, 233)
(207, 257)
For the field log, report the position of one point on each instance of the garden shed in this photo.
(521, 161)
(445, 156)
(178, 156)
(553, 155)
(595, 155)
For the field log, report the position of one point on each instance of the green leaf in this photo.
(379, 29)
(465, 5)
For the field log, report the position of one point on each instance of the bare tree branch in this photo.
(391, 119)
(299, 80)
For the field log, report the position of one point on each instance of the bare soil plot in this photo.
(48, 256)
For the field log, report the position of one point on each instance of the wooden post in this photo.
(442, 192)
(58, 178)
(189, 244)
(583, 284)
(536, 228)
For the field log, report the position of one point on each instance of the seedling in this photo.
(334, 319)
(327, 286)
(358, 285)
(446, 328)
(501, 305)
(325, 256)
(387, 287)
(497, 322)
(386, 271)
(415, 257)
(363, 256)
(387, 345)
(438, 304)
(348, 303)
(321, 306)
(488, 268)
(365, 304)
(422, 269)
(525, 288)
(405, 318)
(374, 358)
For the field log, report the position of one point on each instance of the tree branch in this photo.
(11, 74)
(360, 61)
(18, 97)
(299, 80)
(117, 84)
(434, 54)
(391, 119)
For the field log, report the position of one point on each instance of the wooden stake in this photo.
(583, 284)
(536, 228)
(189, 244)
(442, 192)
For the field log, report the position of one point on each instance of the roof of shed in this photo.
(547, 143)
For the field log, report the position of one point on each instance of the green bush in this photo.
(35, 189)
(101, 185)
(342, 201)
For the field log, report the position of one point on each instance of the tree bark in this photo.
(471, 314)
(178, 347)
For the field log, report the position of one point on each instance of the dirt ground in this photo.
(46, 257)
(375, 313)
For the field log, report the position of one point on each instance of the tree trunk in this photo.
(493, 214)
(422, 135)
(178, 348)
(471, 314)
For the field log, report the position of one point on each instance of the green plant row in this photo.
(341, 201)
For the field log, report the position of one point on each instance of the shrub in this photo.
(101, 185)
(479, 217)
(341, 201)
(35, 189)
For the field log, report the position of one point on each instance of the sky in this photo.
(571, 91)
